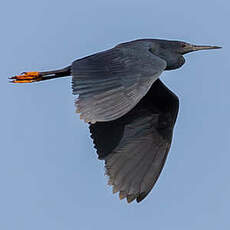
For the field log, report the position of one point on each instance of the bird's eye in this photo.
(183, 45)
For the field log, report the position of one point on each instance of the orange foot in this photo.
(26, 77)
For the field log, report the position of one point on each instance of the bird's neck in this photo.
(175, 63)
(174, 60)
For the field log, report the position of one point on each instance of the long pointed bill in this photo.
(195, 48)
(190, 48)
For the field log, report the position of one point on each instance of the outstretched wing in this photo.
(111, 83)
(136, 145)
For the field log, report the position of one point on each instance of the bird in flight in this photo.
(131, 113)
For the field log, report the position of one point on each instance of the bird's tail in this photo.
(29, 77)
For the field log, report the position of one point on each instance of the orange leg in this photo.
(29, 77)
(26, 77)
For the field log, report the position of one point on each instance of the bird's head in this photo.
(173, 51)
(184, 47)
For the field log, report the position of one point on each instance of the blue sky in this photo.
(49, 173)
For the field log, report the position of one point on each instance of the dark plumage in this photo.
(131, 113)
(135, 146)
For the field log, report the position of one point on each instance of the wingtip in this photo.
(115, 189)
(130, 198)
(141, 197)
(122, 195)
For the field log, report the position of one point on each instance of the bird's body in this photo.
(130, 111)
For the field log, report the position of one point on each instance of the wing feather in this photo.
(111, 83)
(136, 145)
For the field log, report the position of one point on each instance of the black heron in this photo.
(131, 113)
